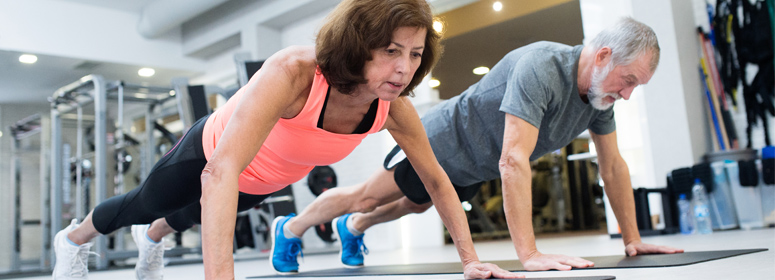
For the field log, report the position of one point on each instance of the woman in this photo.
(306, 107)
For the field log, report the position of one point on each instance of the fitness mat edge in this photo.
(601, 262)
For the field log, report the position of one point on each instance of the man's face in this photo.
(610, 83)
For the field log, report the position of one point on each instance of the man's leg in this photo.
(386, 213)
(378, 190)
(286, 244)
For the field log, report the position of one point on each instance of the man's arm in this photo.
(405, 127)
(618, 187)
(519, 140)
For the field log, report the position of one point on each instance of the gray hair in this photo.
(628, 40)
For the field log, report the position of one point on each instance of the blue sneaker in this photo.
(352, 250)
(284, 250)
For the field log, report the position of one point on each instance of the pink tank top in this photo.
(294, 146)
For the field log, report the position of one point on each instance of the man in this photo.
(537, 99)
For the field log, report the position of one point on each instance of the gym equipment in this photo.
(93, 91)
(28, 138)
(641, 261)
(254, 225)
(320, 179)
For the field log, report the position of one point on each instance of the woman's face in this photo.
(392, 67)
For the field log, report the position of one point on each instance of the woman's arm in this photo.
(271, 94)
(405, 127)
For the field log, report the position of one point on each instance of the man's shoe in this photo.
(352, 250)
(284, 250)
(72, 260)
(150, 262)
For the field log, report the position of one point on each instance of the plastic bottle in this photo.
(686, 218)
(700, 207)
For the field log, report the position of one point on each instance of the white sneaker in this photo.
(71, 261)
(150, 263)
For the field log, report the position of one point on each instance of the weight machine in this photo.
(93, 93)
(29, 138)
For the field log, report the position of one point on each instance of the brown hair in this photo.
(356, 27)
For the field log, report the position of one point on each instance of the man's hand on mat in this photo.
(538, 261)
(638, 248)
(477, 270)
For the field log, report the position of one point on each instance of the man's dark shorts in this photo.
(411, 185)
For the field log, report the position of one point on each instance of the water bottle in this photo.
(701, 210)
(686, 218)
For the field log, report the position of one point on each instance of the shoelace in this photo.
(79, 265)
(361, 249)
(294, 249)
(156, 257)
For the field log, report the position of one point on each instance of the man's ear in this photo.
(603, 56)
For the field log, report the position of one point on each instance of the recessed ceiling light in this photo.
(481, 70)
(497, 6)
(438, 26)
(146, 72)
(28, 58)
(434, 83)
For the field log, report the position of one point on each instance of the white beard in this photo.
(595, 95)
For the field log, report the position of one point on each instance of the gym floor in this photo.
(760, 265)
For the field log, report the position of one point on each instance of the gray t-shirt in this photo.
(536, 83)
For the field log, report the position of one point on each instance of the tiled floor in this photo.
(751, 266)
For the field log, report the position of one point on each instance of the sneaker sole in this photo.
(271, 253)
(341, 247)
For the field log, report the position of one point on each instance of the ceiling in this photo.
(34, 83)
(132, 6)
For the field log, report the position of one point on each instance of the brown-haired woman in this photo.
(306, 107)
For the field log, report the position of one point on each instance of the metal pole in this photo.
(558, 192)
(79, 199)
(16, 196)
(119, 157)
(101, 162)
(45, 195)
(151, 143)
(184, 102)
(56, 174)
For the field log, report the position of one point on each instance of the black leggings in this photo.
(172, 190)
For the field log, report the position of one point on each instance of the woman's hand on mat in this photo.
(538, 261)
(639, 248)
(477, 270)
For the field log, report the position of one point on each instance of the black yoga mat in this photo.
(604, 277)
(641, 261)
